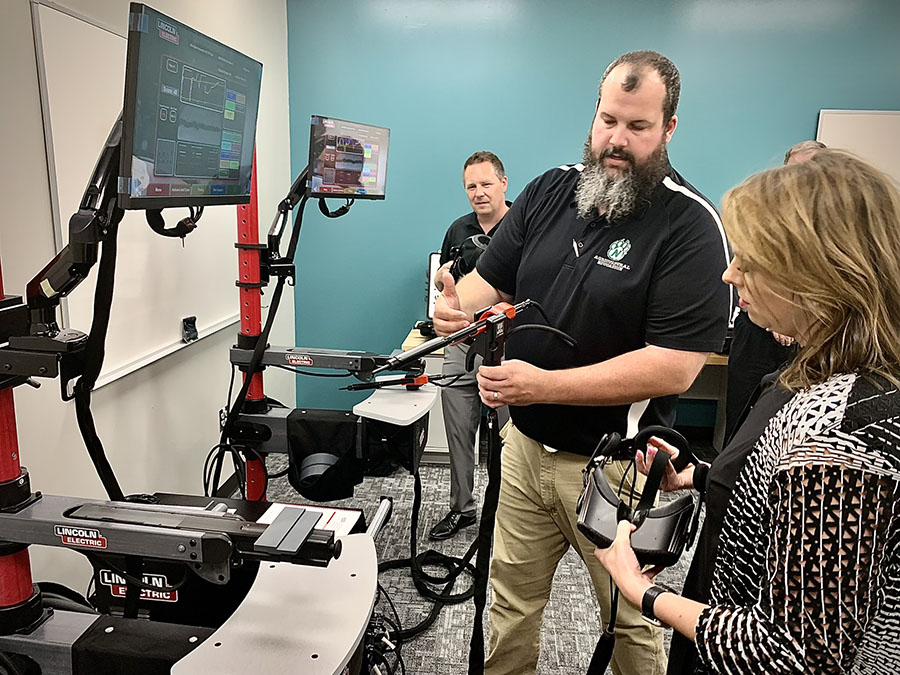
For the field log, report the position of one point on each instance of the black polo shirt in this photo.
(654, 278)
(461, 229)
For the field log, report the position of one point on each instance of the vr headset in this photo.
(466, 255)
(662, 531)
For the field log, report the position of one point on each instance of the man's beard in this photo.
(618, 196)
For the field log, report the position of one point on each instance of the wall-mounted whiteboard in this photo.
(872, 135)
(158, 281)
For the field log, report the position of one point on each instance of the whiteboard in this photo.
(158, 281)
(872, 135)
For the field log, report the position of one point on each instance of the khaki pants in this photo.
(536, 523)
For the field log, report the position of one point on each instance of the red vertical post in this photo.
(16, 586)
(251, 316)
(9, 440)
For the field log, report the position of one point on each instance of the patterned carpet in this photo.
(571, 619)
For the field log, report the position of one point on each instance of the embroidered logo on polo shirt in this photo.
(617, 250)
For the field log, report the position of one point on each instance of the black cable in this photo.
(230, 386)
(449, 383)
(212, 467)
(205, 472)
(306, 372)
(337, 213)
(403, 382)
(240, 470)
(568, 339)
(279, 474)
(391, 603)
(94, 353)
(274, 402)
(632, 467)
(383, 659)
(398, 627)
(540, 309)
(52, 589)
(89, 590)
(205, 475)
(295, 232)
(484, 540)
(421, 579)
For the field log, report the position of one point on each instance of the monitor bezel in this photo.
(125, 199)
(343, 195)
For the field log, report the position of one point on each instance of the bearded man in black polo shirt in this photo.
(626, 257)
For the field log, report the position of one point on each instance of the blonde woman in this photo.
(806, 576)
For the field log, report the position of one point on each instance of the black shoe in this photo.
(450, 524)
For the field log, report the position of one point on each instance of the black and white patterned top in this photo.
(807, 578)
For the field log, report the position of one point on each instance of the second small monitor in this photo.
(347, 158)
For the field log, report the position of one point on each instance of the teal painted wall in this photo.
(519, 77)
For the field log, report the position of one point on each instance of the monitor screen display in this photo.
(189, 120)
(347, 159)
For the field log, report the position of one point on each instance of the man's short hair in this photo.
(485, 156)
(641, 60)
(802, 147)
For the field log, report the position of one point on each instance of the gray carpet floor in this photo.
(571, 620)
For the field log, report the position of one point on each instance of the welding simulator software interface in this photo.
(194, 106)
(347, 158)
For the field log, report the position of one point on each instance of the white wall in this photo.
(158, 423)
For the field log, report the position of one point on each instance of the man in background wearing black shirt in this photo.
(484, 179)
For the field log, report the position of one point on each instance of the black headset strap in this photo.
(654, 480)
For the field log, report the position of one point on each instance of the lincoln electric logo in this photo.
(299, 359)
(167, 31)
(117, 587)
(80, 536)
(617, 250)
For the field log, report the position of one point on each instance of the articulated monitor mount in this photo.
(37, 347)
(252, 423)
(209, 541)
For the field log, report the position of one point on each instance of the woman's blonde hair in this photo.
(827, 231)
